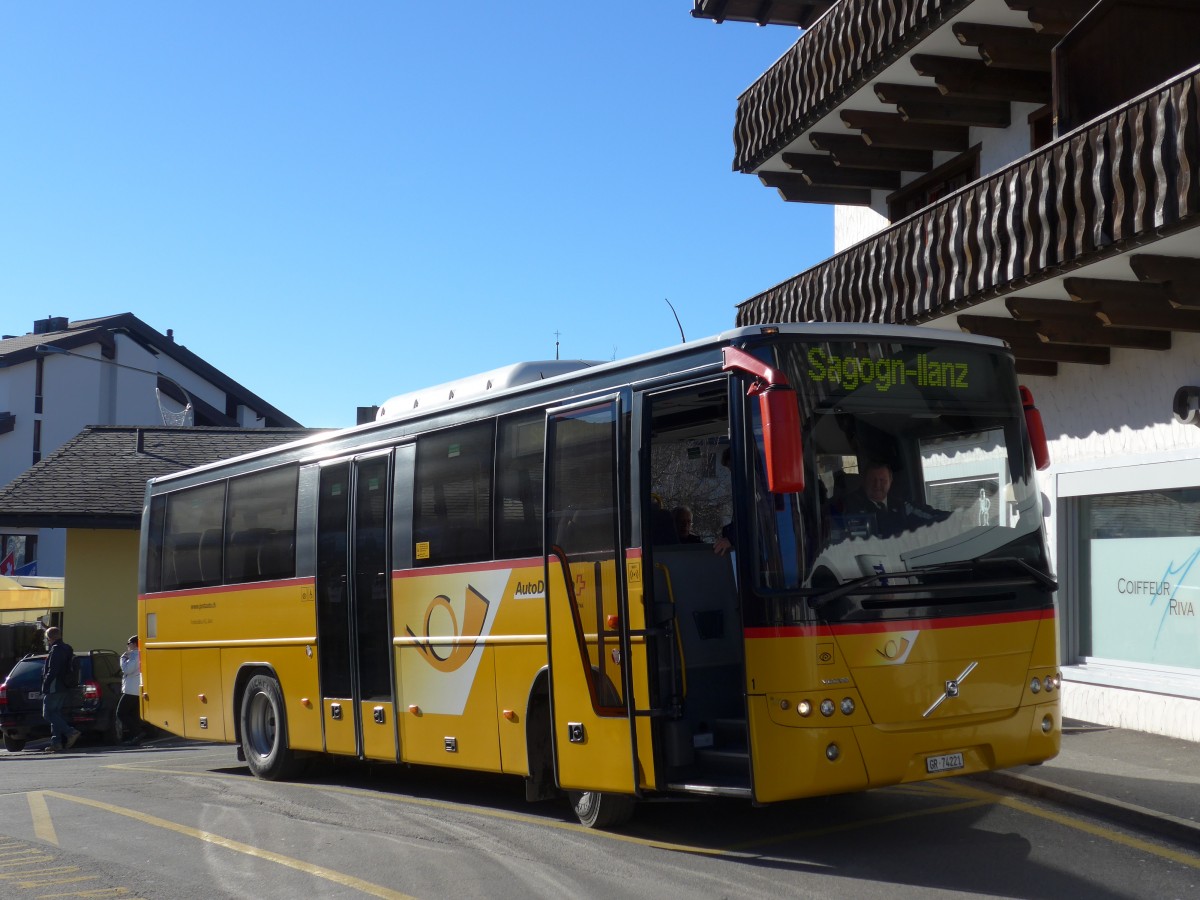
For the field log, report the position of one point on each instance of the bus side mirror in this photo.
(1037, 431)
(780, 415)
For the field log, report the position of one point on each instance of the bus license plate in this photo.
(945, 763)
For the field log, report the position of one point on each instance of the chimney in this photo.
(49, 324)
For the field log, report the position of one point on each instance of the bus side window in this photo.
(260, 526)
(453, 495)
(519, 467)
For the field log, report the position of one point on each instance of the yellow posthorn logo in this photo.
(446, 649)
(896, 649)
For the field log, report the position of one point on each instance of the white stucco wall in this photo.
(1112, 430)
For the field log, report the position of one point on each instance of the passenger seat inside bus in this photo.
(183, 561)
(210, 556)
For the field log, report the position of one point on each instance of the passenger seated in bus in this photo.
(887, 514)
(683, 526)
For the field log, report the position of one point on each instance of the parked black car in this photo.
(92, 709)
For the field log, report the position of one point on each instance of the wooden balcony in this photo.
(1106, 189)
(860, 42)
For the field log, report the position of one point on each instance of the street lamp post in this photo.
(185, 417)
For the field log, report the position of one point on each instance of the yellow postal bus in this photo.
(653, 576)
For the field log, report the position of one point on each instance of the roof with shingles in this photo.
(98, 478)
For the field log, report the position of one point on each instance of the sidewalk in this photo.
(1141, 780)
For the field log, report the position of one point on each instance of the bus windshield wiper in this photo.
(977, 566)
(916, 580)
(824, 598)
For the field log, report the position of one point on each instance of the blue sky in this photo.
(334, 203)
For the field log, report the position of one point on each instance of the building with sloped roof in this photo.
(112, 370)
(92, 489)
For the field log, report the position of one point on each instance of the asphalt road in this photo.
(183, 820)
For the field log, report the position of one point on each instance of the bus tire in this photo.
(596, 809)
(264, 730)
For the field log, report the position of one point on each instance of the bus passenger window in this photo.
(190, 514)
(519, 467)
(154, 545)
(452, 514)
(260, 526)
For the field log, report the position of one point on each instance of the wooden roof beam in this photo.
(1052, 16)
(974, 78)
(1030, 344)
(1060, 353)
(1180, 275)
(1079, 324)
(1008, 48)
(891, 130)
(851, 150)
(1133, 304)
(998, 327)
(795, 189)
(1036, 367)
(929, 106)
(820, 170)
(801, 13)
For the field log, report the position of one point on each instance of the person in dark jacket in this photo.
(891, 515)
(55, 691)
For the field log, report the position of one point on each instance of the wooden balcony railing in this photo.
(852, 43)
(1119, 181)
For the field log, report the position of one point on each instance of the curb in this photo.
(1163, 824)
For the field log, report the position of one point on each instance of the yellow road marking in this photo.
(43, 827)
(300, 865)
(1099, 831)
(459, 807)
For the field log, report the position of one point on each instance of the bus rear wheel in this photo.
(264, 730)
(602, 810)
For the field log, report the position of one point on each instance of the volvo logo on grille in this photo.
(951, 690)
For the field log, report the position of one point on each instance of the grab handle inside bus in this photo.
(780, 414)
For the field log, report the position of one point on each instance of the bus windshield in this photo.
(918, 476)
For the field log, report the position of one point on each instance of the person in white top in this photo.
(128, 711)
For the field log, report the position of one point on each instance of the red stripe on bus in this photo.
(792, 631)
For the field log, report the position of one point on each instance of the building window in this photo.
(1140, 573)
(928, 189)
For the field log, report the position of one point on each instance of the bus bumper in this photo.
(793, 762)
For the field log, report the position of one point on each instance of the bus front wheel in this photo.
(601, 810)
(264, 730)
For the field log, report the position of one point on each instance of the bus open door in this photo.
(591, 685)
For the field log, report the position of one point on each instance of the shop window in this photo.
(1140, 565)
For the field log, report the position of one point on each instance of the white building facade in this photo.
(62, 376)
